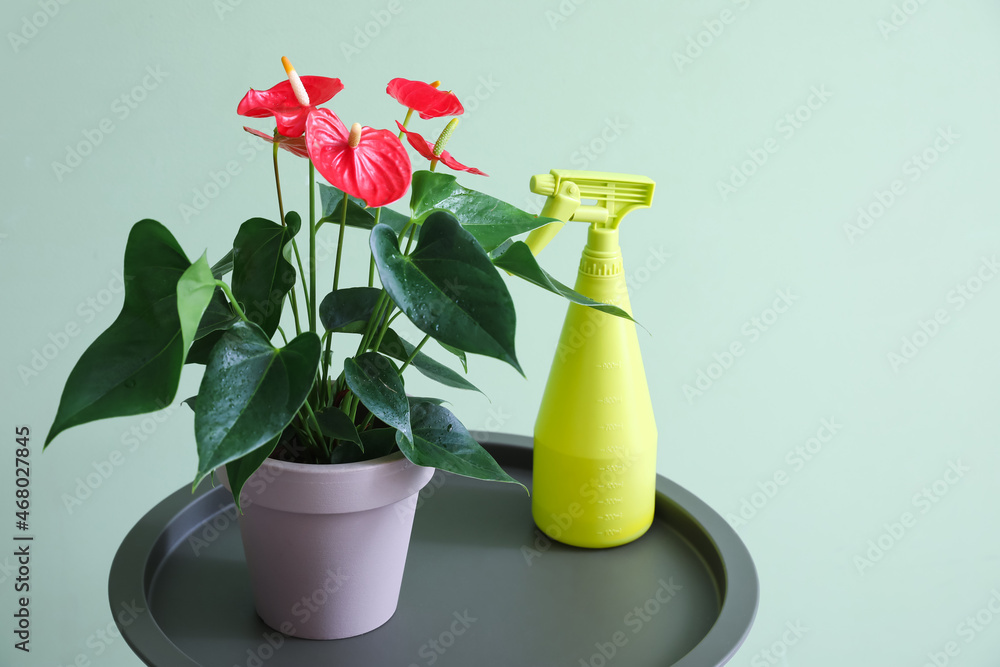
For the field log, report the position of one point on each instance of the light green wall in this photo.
(543, 82)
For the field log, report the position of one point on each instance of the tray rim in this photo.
(726, 556)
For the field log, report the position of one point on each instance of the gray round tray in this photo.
(482, 586)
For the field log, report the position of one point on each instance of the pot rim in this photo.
(335, 468)
(333, 488)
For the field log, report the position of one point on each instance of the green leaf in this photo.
(250, 392)
(239, 471)
(134, 366)
(194, 293)
(336, 424)
(458, 353)
(424, 399)
(449, 288)
(218, 317)
(348, 309)
(192, 402)
(223, 266)
(396, 347)
(261, 274)
(379, 442)
(375, 380)
(520, 261)
(357, 214)
(488, 219)
(441, 441)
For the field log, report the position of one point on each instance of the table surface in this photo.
(482, 586)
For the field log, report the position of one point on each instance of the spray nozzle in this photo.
(614, 196)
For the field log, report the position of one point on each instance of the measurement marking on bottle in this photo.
(610, 400)
(611, 516)
(610, 364)
(610, 501)
(614, 449)
(610, 485)
(614, 467)
(610, 532)
(613, 427)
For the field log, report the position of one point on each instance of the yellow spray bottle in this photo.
(595, 435)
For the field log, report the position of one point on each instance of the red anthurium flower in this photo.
(426, 149)
(425, 98)
(294, 145)
(366, 163)
(291, 101)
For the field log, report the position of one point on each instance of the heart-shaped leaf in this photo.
(250, 392)
(134, 366)
(332, 200)
(348, 309)
(520, 261)
(375, 380)
(449, 288)
(489, 220)
(239, 471)
(397, 348)
(441, 441)
(261, 274)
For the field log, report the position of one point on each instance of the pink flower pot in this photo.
(326, 544)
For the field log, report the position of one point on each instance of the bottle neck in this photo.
(602, 255)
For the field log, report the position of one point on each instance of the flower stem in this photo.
(319, 430)
(281, 213)
(305, 292)
(409, 240)
(409, 112)
(277, 180)
(371, 264)
(312, 246)
(340, 243)
(413, 354)
(232, 300)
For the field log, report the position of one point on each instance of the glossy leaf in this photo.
(488, 219)
(239, 471)
(335, 423)
(250, 392)
(449, 288)
(348, 309)
(261, 274)
(375, 380)
(397, 348)
(194, 293)
(441, 441)
(134, 366)
(357, 215)
(520, 261)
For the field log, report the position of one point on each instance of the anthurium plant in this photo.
(265, 392)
